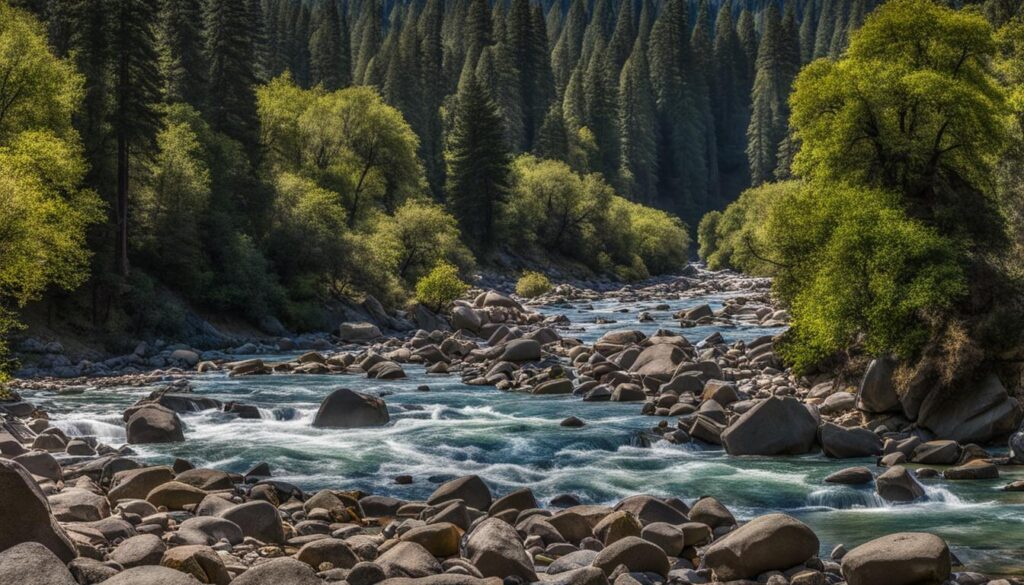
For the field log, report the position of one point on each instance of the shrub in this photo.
(532, 284)
(440, 287)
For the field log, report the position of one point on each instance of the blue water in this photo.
(514, 440)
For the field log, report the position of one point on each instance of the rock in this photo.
(41, 463)
(977, 469)
(521, 350)
(79, 505)
(711, 512)
(616, 526)
(22, 504)
(205, 479)
(776, 426)
(851, 476)
(282, 571)
(495, 549)
(90, 571)
(408, 559)
(257, 519)
(637, 554)
(327, 550)
(209, 530)
(905, 558)
(898, 485)
(936, 453)
(154, 424)
(144, 549)
(842, 443)
(877, 392)
(665, 535)
(838, 402)
(628, 393)
(697, 313)
(441, 539)
(347, 409)
(470, 489)
(1017, 448)
(659, 360)
(201, 562)
(496, 299)
(521, 499)
(358, 332)
(464, 317)
(175, 495)
(774, 542)
(648, 509)
(163, 576)
(366, 573)
(723, 393)
(135, 484)
(553, 387)
(572, 422)
(971, 415)
(31, 563)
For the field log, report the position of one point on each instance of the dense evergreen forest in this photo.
(262, 157)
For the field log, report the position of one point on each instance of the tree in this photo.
(419, 236)
(231, 55)
(135, 118)
(478, 165)
(328, 63)
(637, 123)
(182, 46)
(767, 127)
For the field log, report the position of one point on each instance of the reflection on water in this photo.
(514, 440)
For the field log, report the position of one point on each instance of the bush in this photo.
(532, 284)
(737, 238)
(440, 287)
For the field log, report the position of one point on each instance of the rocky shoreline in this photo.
(79, 511)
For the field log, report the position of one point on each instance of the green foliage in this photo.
(532, 284)
(440, 287)
(419, 236)
(738, 237)
(707, 234)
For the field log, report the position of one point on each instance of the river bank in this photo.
(653, 410)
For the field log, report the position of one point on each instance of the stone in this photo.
(144, 549)
(774, 542)
(440, 539)
(201, 562)
(470, 489)
(776, 426)
(905, 558)
(79, 505)
(628, 393)
(851, 476)
(495, 549)
(898, 485)
(327, 550)
(977, 469)
(154, 424)
(616, 526)
(521, 350)
(971, 415)
(711, 512)
(936, 453)
(843, 443)
(553, 387)
(135, 484)
(209, 530)
(31, 563)
(521, 499)
(153, 575)
(572, 422)
(408, 559)
(358, 332)
(660, 360)
(648, 509)
(467, 318)
(877, 393)
(281, 571)
(175, 495)
(365, 573)
(257, 519)
(1016, 444)
(41, 463)
(670, 538)
(205, 479)
(22, 504)
(88, 571)
(637, 554)
(347, 409)
(837, 403)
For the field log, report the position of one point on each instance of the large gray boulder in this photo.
(495, 549)
(470, 489)
(25, 514)
(774, 542)
(842, 443)
(347, 409)
(282, 571)
(521, 350)
(1017, 448)
(877, 393)
(358, 332)
(776, 426)
(904, 558)
(659, 360)
(467, 318)
(898, 485)
(408, 559)
(257, 519)
(637, 554)
(154, 575)
(977, 414)
(31, 563)
(153, 423)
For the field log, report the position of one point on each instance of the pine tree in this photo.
(232, 107)
(434, 86)
(566, 53)
(326, 59)
(367, 38)
(620, 47)
(478, 33)
(183, 61)
(478, 165)
(768, 118)
(839, 40)
(599, 94)
(749, 43)
(825, 29)
(808, 27)
(553, 140)
(134, 118)
(498, 76)
(637, 127)
(731, 104)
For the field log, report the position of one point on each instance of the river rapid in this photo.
(514, 440)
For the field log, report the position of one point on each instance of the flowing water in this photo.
(514, 440)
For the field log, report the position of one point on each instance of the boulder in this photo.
(851, 476)
(135, 484)
(257, 519)
(153, 575)
(22, 505)
(408, 559)
(648, 509)
(327, 550)
(79, 505)
(496, 299)
(31, 563)
(281, 571)
(41, 463)
(1016, 444)
(153, 423)
(616, 526)
(464, 317)
(898, 485)
(495, 549)
(774, 542)
(440, 539)
(977, 469)
(470, 489)
(201, 562)
(144, 549)
(209, 530)
(175, 495)
(936, 453)
(552, 387)
(358, 332)
(628, 393)
(637, 554)
(711, 512)
(521, 499)
(670, 538)
(659, 360)
(971, 415)
(905, 558)
(521, 350)
(877, 393)
(776, 426)
(842, 443)
(347, 409)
